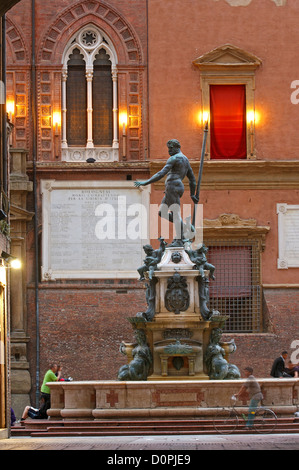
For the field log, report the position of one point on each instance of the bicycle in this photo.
(227, 419)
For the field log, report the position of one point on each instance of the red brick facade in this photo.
(82, 326)
(83, 322)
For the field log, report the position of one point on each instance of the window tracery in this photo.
(90, 98)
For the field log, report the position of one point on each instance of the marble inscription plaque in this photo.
(288, 236)
(92, 229)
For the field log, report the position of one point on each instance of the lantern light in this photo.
(10, 108)
(56, 121)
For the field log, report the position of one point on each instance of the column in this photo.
(63, 109)
(164, 365)
(115, 108)
(20, 186)
(89, 77)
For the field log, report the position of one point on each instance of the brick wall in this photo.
(82, 326)
(281, 319)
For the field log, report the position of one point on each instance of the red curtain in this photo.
(228, 121)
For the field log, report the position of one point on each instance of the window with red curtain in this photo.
(228, 121)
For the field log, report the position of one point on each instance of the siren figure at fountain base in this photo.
(139, 366)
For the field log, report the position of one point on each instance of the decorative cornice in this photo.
(228, 220)
(84, 167)
(217, 175)
(18, 213)
(227, 56)
(232, 226)
(281, 286)
(242, 174)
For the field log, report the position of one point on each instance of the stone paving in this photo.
(154, 443)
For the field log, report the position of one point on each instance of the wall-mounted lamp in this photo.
(10, 108)
(56, 126)
(9, 261)
(253, 116)
(123, 120)
(56, 122)
(252, 119)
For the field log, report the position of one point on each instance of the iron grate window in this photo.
(236, 291)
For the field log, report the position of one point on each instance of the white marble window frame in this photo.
(287, 257)
(70, 153)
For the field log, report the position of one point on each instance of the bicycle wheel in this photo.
(226, 421)
(265, 421)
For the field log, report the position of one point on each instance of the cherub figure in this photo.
(198, 257)
(152, 259)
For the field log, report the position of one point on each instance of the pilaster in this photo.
(20, 186)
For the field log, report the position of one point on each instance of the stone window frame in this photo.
(232, 230)
(229, 65)
(99, 153)
(288, 222)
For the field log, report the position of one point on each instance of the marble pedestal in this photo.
(178, 334)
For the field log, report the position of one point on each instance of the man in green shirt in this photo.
(50, 376)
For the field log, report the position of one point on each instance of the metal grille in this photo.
(236, 291)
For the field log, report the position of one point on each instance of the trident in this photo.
(203, 151)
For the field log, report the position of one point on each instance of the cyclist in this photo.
(252, 387)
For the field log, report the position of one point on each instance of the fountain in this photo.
(180, 334)
(177, 366)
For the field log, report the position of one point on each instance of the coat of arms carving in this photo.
(177, 297)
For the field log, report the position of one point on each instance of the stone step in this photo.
(44, 428)
(165, 429)
(138, 432)
(134, 421)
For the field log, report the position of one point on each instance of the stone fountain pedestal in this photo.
(177, 324)
(178, 335)
(178, 348)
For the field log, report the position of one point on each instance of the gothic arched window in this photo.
(89, 98)
(76, 100)
(102, 99)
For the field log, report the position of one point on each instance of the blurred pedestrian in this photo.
(252, 387)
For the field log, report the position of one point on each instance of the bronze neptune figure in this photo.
(177, 168)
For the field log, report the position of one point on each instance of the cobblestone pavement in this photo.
(162, 444)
